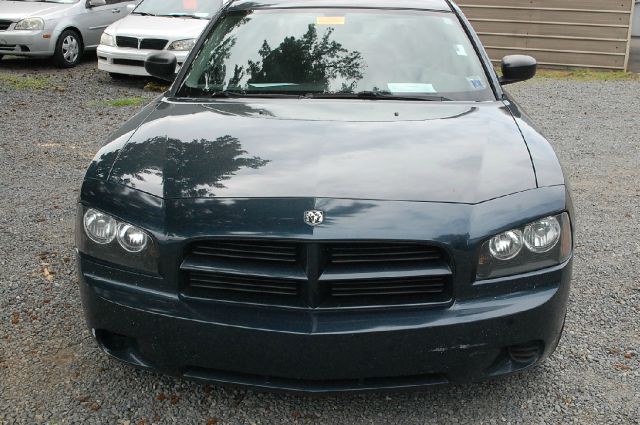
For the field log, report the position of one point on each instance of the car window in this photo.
(309, 51)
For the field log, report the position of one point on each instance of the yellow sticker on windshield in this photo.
(330, 20)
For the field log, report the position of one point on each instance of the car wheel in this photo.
(117, 76)
(69, 49)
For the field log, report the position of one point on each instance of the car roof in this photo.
(439, 5)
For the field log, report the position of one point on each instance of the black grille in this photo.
(153, 44)
(248, 250)
(8, 47)
(145, 43)
(385, 287)
(127, 42)
(4, 25)
(248, 289)
(317, 275)
(382, 253)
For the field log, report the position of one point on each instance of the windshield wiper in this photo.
(375, 95)
(143, 14)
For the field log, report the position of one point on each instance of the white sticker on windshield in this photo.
(476, 83)
(411, 88)
(460, 50)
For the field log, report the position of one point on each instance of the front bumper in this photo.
(25, 43)
(314, 351)
(121, 60)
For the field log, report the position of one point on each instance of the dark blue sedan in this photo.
(333, 195)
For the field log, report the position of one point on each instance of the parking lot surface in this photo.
(53, 122)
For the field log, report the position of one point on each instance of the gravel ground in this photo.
(51, 370)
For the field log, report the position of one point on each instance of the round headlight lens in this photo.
(541, 236)
(99, 227)
(131, 238)
(506, 245)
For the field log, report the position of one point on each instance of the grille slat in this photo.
(360, 253)
(4, 25)
(388, 287)
(383, 286)
(248, 251)
(232, 284)
(317, 274)
(259, 289)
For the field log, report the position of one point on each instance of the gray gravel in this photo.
(52, 372)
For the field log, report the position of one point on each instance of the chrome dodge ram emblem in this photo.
(313, 217)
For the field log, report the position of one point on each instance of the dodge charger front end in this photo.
(311, 209)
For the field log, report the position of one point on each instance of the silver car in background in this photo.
(62, 29)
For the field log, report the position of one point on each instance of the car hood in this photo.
(16, 10)
(157, 26)
(384, 150)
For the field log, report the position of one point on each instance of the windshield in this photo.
(204, 9)
(338, 52)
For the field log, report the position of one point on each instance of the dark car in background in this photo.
(334, 195)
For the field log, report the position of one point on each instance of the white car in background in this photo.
(154, 25)
(62, 29)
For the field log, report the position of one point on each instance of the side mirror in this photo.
(517, 68)
(130, 7)
(162, 65)
(96, 3)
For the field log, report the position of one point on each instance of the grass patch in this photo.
(587, 75)
(123, 102)
(25, 83)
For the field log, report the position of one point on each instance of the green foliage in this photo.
(24, 82)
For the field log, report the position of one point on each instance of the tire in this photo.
(117, 76)
(69, 49)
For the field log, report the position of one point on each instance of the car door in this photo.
(95, 19)
(92, 22)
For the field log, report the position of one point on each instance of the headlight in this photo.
(100, 227)
(131, 238)
(506, 245)
(30, 24)
(182, 45)
(103, 237)
(542, 243)
(107, 40)
(542, 235)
